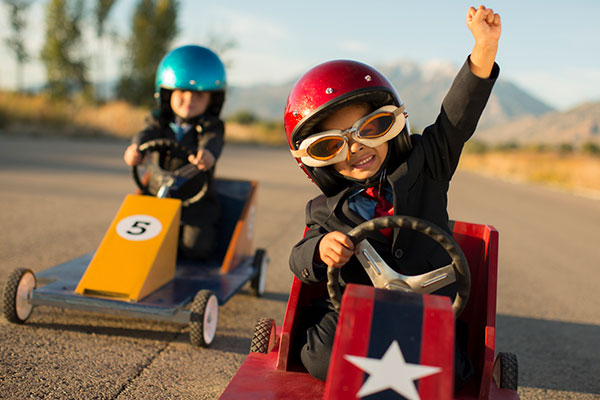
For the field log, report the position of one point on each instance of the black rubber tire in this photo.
(265, 327)
(200, 322)
(506, 371)
(10, 295)
(257, 284)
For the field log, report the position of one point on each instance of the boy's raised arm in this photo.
(486, 27)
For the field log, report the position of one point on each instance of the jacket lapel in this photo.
(402, 179)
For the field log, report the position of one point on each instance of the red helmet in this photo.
(328, 87)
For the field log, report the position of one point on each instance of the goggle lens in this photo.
(376, 126)
(326, 148)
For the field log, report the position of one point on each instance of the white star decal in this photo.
(391, 372)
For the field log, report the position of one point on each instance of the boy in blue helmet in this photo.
(349, 131)
(190, 89)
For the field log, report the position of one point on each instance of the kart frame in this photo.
(271, 371)
(233, 265)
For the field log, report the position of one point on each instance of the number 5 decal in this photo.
(139, 227)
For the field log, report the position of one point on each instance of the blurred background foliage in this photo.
(69, 104)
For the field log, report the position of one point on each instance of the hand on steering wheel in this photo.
(170, 180)
(384, 277)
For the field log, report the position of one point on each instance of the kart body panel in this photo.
(224, 274)
(140, 247)
(279, 374)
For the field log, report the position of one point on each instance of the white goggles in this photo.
(330, 147)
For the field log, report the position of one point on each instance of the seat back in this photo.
(480, 245)
(235, 230)
(300, 295)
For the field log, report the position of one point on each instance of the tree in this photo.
(16, 10)
(591, 148)
(101, 12)
(154, 27)
(66, 68)
(244, 117)
(565, 148)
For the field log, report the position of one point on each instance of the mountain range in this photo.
(577, 126)
(421, 87)
(511, 115)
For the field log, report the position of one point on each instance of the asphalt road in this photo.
(57, 198)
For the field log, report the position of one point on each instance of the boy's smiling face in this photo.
(363, 162)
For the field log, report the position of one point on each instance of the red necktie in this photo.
(382, 208)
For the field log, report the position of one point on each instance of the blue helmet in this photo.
(191, 68)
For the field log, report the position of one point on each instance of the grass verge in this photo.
(39, 116)
(573, 171)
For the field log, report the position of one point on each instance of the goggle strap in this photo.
(299, 153)
(399, 110)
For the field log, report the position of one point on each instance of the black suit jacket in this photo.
(419, 183)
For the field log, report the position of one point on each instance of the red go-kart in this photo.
(394, 340)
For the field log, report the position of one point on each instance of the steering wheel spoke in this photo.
(377, 269)
(152, 167)
(169, 183)
(385, 277)
(187, 171)
(432, 281)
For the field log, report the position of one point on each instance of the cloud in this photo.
(247, 28)
(258, 67)
(261, 53)
(436, 69)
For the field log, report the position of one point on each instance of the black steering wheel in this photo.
(383, 276)
(187, 182)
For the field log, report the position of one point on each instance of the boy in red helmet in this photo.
(349, 131)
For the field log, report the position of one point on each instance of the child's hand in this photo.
(486, 27)
(132, 155)
(203, 159)
(335, 249)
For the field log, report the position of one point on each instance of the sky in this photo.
(549, 48)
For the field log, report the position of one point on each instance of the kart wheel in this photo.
(506, 371)
(17, 295)
(264, 332)
(257, 285)
(203, 319)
